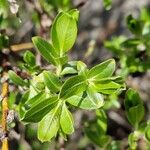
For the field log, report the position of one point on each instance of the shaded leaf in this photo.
(16, 79)
(29, 58)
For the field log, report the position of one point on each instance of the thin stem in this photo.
(58, 70)
(4, 114)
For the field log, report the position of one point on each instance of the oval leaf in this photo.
(49, 125)
(46, 49)
(102, 70)
(16, 79)
(38, 111)
(66, 120)
(73, 86)
(63, 32)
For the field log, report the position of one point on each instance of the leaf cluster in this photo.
(49, 93)
(134, 52)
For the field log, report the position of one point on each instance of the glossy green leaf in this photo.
(74, 14)
(52, 81)
(117, 79)
(102, 70)
(73, 86)
(88, 99)
(26, 102)
(147, 132)
(49, 125)
(82, 68)
(66, 120)
(39, 110)
(29, 58)
(16, 79)
(68, 70)
(133, 139)
(35, 100)
(107, 87)
(46, 49)
(63, 32)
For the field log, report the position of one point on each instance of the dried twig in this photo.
(22, 46)
(4, 114)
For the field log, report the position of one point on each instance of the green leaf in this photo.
(26, 102)
(82, 68)
(59, 4)
(74, 14)
(134, 25)
(16, 79)
(135, 114)
(39, 110)
(29, 58)
(68, 70)
(62, 60)
(107, 87)
(101, 121)
(24, 98)
(147, 132)
(73, 86)
(52, 81)
(102, 70)
(66, 120)
(12, 99)
(63, 32)
(117, 79)
(35, 100)
(49, 125)
(132, 140)
(46, 49)
(88, 99)
(130, 43)
(134, 107)
(132, 99)
(94, 130)
(107, 4)
(114, 45)
(4, 40)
